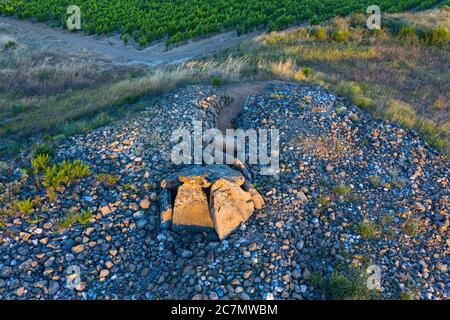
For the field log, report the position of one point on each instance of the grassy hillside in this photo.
(175, 21)
(47, 93)
(400, 73)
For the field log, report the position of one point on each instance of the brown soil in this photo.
(238, 93)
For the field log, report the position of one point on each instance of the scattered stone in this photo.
(145, 204)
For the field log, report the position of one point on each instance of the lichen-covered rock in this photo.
(229, 206)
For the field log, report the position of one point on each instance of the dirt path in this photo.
(238, 93)
(36, 34)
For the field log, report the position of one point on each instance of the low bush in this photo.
(340, 36)
(25, 206)
(438, 36)
(65, 173)
(41, 163)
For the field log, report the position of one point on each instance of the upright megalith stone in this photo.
(229, 206)
(231, 201)
(191, 205)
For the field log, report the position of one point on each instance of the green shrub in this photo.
(363, 102)
(323, 201)
(85, 216)
(406, 296)
(438, 36)
(348, 284)
(25, 206)
(342, 190)
(340, 36)
(367, 229)
(412, 227)
(107, 179)
(41, 162)
(70, 219)
(75, 127)
(65, 173)
(42, 149)
(217, 81)
(307, 71)
(407, 32)
(125, 38)
(10, 45)
(132, 99)
(321, 34)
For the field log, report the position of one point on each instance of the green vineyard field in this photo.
(178, 20)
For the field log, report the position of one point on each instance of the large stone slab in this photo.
(229, 206)
(191, 207)
(232, 198)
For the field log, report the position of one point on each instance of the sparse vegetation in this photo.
(81, 88)
(342, 190)
(323, 201)
(407, 32)
(217, 81)
(107, 179)
(367, 229)
(43, 149)
(321, 34)
(402, 114)
(340, 36)
(437, 36)
(347, 284)
(65, 173)
(308, 72)
(3, 167)
(412, 227)
(25, 207)
(341, 173)
(406, 295)
(41, 163)
(84, 217)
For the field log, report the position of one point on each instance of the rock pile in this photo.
(214, 196)
(352, 191)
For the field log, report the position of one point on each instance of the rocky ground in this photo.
(352, 191)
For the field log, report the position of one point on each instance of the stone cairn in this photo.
(208, 197)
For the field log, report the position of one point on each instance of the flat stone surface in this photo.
(211, 173)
